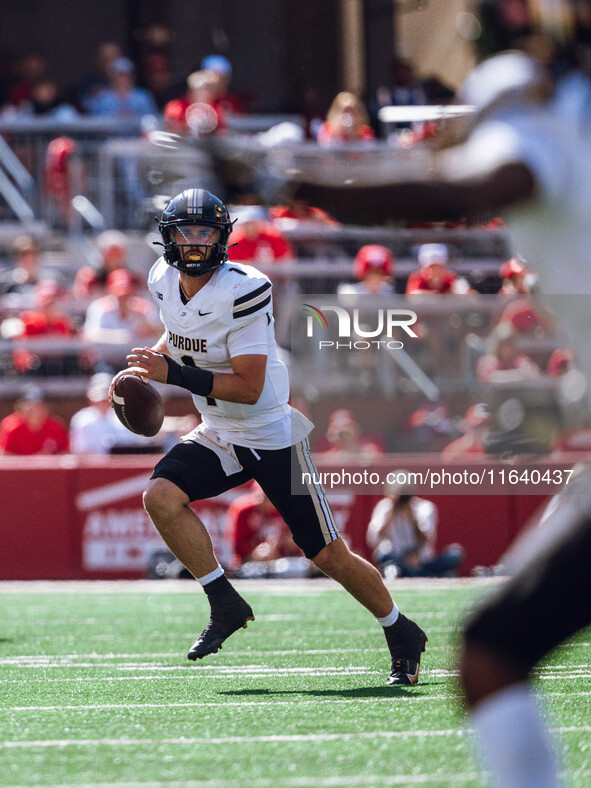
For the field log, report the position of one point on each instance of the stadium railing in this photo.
(110, 162)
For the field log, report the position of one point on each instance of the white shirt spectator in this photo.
(95, 432)
(394, 532)
(121, 317)
(96, 429)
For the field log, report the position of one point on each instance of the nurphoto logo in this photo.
(357, 335)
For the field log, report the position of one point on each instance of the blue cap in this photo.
(32, 393)
(122, 65)
(217, 63)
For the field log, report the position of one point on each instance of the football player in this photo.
(528, 152)
(219, 344)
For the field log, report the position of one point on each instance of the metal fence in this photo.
(113, 165)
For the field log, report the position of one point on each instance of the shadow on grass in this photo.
(358, 692)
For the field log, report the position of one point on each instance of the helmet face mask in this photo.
(195, 228)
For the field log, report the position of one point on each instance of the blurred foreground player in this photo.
(219, 344)
(545, 602)
(530, 153)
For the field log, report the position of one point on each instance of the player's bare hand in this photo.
(149, 363)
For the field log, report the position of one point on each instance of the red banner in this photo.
(67, 517)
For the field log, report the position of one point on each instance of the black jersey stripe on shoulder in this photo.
(237, 270)
(249, 310)
(254, 294)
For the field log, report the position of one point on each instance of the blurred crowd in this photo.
(201, 101)
(118, 87)
(84, 326)
(81, 323)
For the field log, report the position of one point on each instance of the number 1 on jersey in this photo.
(189, 361)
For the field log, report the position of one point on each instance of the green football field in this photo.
(96, 690)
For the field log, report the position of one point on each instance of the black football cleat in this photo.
(227, 616)
(406, 641)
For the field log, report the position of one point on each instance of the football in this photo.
(138, 405)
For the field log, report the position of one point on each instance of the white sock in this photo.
(513, 741)
(391, 618)
(211, 576)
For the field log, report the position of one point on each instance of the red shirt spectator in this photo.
(344, 437)
(44, 321)
(256, 240)
(299, 210)
(559, 362)
(227, 101)
(113, 248)
(506, 363)
(374, 268)
(47, 319)
(178, 118)
(423, 281)
(472, 442)
(256, 530)
(198, 112)
(433, 276)
(30, 69)
(516, 278)
(525, 317)
(31, 429)
(330, 134)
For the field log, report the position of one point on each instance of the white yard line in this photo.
(269, 739)
(303, 782)
(544, 673)
(271, 587)
(291, 782)
(155, 666)
(23, 660)
(76, 587)
(197, 673)
(447, 779)
(213, 672)
(223, 704)
(223, 740)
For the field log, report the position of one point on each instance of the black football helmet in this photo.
(195, 207)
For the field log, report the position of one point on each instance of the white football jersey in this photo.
(199, 333)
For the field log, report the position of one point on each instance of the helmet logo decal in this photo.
(195, 202)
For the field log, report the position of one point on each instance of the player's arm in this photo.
(160, 346)
(244, 384)
(247, 348)
(448, 198)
